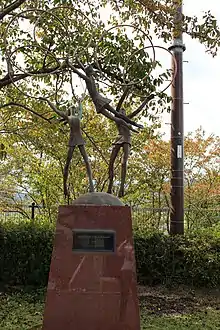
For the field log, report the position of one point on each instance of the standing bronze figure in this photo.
(75, 139)
(123, 141)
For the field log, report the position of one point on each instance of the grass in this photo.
(196, 321)
(160, 309)
(21, 310)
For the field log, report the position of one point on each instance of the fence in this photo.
(143, 217)
(21, 212)
(151, 218)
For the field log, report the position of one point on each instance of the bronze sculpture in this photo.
(75, 139)
(102, 104)
(123, 141)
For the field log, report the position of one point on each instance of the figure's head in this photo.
(72, 111)
(89, 70)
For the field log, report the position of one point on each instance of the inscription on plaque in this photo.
(93, 240)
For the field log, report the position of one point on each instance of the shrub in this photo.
(191, 259)
(25, 252)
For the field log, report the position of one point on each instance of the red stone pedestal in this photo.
(92, 290)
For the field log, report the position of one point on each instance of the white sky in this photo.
(201, 78)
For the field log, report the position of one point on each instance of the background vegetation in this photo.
(33, 149)
(190, 260)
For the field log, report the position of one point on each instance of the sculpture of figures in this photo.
(123, 141)
(75, 139)
(102, 104)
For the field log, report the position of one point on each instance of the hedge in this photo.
(189, 260)
(25, 252)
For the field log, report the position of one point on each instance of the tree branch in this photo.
(123, 97)
(94, 144)
(11, 7)
(8, 80)
(24, 107)
(140, 108)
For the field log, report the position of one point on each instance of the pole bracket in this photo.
(177, 46)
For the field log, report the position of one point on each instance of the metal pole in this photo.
(177, 132)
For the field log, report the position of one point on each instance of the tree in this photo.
(78, 29)
(31, 165)
(202, 170)
(151, 191)
(59, 35)
(161, 13)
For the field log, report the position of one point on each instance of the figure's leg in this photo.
(88, 167)
(114, 154)
(126, 149)
(66, 171)
(117, 120)
(120, 115)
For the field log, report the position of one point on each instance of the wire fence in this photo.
(145, 218)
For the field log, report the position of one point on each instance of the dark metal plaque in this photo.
(85, 240)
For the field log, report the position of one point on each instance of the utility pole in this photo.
(177, 130)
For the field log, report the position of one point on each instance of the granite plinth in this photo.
(92, 290)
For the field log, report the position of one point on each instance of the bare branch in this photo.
(75, 70)
(123, 97)
(11, 7)
(80, 64)
(8, 80)
(140, 108)
(24, 107)
(72, 89)
(94, 144)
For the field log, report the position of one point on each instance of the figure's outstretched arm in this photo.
(140, 108)
(123, 97)
(54, 108)
(118, 120)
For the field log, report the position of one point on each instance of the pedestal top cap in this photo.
(97, 198)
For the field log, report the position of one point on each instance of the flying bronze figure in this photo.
(102, 104)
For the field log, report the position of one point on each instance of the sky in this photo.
(201, 78)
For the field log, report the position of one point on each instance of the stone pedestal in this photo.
(92, 280)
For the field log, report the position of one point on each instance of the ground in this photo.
(179, 309)
(176, 309)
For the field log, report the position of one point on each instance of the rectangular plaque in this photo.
(85, 240)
